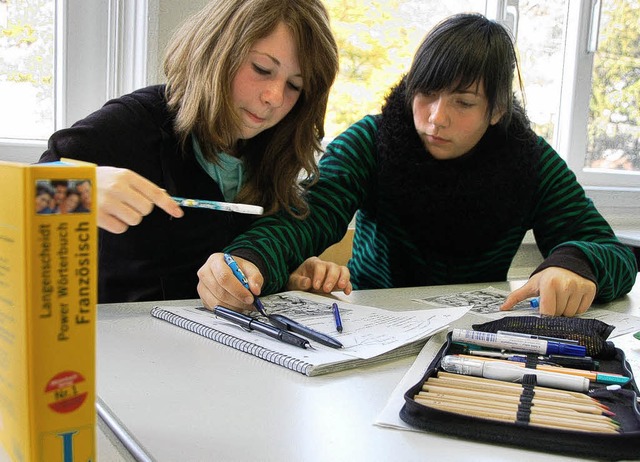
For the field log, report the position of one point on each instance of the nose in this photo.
(438, 113)
(273, 94)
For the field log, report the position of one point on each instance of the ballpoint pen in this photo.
(237, 272)
(336, 316)
(249, 323)
(286, 323)
(216, 205)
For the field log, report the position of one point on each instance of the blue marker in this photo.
(535, 302)
(505, 341)
(237, 272)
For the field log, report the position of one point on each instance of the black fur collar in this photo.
(456, 206)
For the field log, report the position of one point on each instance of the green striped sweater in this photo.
(384, 253)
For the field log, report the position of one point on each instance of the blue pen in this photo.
(237, 272)
(336, 315)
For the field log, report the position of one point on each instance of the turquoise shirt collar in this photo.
(228, 172)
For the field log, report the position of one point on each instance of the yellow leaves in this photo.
(21, 33)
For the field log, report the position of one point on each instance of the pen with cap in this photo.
(517, 343)
(249, 323)
(286, 323)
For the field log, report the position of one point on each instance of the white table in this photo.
(629, 237)
(178, 396)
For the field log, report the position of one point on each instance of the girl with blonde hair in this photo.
(240, 117)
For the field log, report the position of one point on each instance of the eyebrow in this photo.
(469, 92)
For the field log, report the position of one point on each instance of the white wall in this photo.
(165, 16)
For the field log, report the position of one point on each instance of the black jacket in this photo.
(159, 258)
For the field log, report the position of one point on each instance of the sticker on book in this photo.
(55, 197)
(66, 392)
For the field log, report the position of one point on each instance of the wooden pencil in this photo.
(587, 408)
(536, 409)
(535, 419)
(496, 386)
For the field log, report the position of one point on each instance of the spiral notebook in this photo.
(370, 334)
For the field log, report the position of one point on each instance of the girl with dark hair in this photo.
(446, 181)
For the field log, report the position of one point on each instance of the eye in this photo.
(260, 70)
(465, 104)
(294, 87)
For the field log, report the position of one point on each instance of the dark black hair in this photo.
(462, 50)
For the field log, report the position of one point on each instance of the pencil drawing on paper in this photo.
(297, 307)
(483, 301)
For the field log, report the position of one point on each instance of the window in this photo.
(613, 128)
(61, 60)
(27, 69)
(580, 62)
(593, 124)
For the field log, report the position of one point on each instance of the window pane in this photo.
(614, 110)
(540, 37)
(26, 68)
(377, 40)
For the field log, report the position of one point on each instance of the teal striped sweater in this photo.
(568, 229)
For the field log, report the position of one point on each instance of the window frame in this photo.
(122, 56)
(616, 194)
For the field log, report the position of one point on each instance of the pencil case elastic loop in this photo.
(532, 361)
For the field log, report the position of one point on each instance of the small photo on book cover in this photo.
(62, 196)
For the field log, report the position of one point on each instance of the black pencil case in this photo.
(593, 445)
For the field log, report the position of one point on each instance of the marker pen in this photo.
(515, 343)
(512, 373)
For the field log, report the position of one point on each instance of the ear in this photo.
(497, 115)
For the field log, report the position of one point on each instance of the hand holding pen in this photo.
(125, 198)
(561, 292)
(217, 285)
(237, 272)
(278, 320)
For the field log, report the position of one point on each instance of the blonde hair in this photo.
(200, 64)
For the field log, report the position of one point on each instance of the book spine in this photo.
(234, 342)
(48, 312)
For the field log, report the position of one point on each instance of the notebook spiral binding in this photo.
(233, 342)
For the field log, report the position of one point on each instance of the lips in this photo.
(254, 118)
(436, 139)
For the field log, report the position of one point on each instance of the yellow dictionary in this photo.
(48, 295)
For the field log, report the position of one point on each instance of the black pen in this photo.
(285, 323)
(249, 323)
(237, 272)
